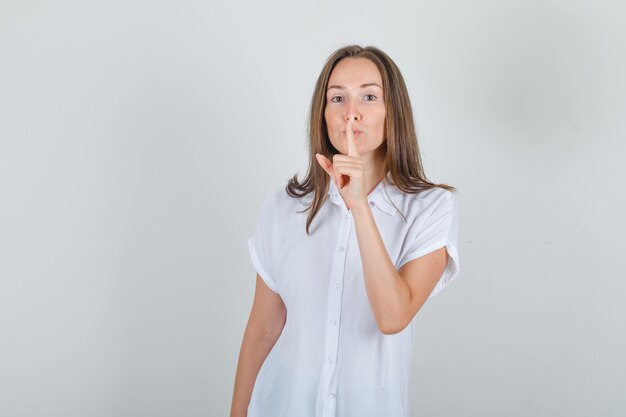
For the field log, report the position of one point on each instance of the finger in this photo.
(352, 149)
(350, 162)
(348, 166)
(348, 171)
(339, 157)
(329, 168)
(325, 164)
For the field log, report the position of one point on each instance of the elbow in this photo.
(392, 322)
(396, 323)
(398, 320)
(392, 326)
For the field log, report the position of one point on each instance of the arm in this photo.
(266, 322)
(395, 296)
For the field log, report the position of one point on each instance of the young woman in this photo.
(331, 327)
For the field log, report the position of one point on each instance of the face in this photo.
(355, 90)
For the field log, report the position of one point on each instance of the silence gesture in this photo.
(347, 170)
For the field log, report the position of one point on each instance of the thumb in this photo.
(326, 166)
(324, 163)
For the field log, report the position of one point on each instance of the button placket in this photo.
(328, 382)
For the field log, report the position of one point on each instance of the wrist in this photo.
(361, 209)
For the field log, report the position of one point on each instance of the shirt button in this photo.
(341, 249)
(333, 322)
(336, 285)
(332, 395)
(329, 360)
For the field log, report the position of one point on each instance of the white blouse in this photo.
(331, 359)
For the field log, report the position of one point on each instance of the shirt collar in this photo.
(377, 196)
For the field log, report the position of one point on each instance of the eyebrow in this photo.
(341, 87)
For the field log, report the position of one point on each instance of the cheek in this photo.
(381, 120)
(329, 117)
(331, 123)
(327, 120)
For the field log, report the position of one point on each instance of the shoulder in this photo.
(433, 195)
(277, 201)
(424, 201)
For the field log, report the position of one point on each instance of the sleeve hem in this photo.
(450, 272)
(260, 269)
(422, 251)
(452, 267)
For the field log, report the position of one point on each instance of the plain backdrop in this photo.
(139, 138)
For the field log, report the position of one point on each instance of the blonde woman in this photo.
(346, 257)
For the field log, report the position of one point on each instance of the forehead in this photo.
(355, 71)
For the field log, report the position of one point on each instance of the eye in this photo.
(370, 97)
(336, 99)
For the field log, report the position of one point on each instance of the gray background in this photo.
(138, 140)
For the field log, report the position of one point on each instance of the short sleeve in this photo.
(438, 229)
(259, 245)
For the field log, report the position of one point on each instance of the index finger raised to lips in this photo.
(352, 148)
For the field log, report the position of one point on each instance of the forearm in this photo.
(255, 347)
(388, 294)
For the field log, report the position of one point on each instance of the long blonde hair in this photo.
(402, 157)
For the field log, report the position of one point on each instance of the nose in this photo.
(352, 112)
